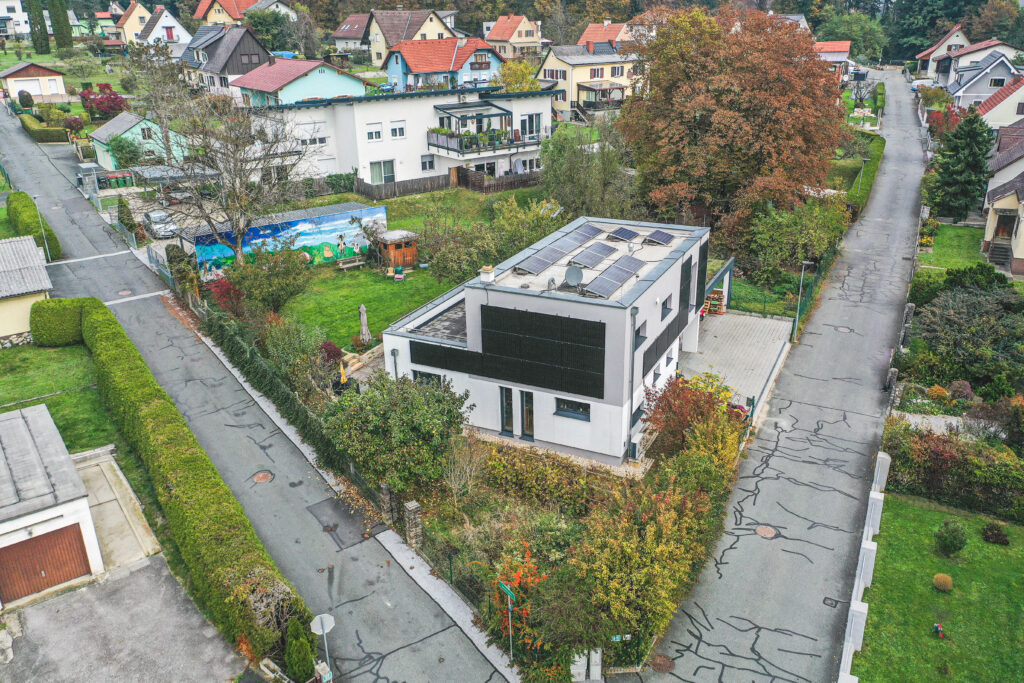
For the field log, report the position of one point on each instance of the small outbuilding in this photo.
(47, 536)
(23, 281)
(399, 248)
(41, 82)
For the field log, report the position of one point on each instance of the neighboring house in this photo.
(221, 11)
(13, 19)
(351, 33)
(798, 19)
(23, 281)
(1003, 241)
(1005, 106)
(594, 77)
(605, 32)
(163, 27)
(47, 535)
(976, 82)
(388, 28)
(407, 136)
(131, 23)
(279, 6)
(284, 81)
(837, 54)
(42, 82)
(218, 54)
(143, 132)
(116, 11)
(928, 60)
(560, 362)
(513, 36)
(442, 64)
(105, 24)
(951, 64)
(1008, 137)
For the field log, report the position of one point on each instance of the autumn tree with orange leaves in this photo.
(729, 112)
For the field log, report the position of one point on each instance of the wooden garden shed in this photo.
(398, 248)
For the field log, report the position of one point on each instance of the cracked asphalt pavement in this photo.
(771, 605)
(387, 627)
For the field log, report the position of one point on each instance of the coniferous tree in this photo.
(37, 27)
(60, 23)
(962, 166)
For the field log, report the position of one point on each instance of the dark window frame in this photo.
(576, 410)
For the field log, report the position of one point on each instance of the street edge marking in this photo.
(88, 258)
(114, 302)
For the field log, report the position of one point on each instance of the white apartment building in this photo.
(404, 136)
(13, 19)
(558, 344)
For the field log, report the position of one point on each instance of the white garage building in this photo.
(47, 535)
(42, 82)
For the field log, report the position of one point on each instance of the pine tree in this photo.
(60, 23)
(962, 166)
(37, 27)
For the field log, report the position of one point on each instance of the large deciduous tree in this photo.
(730, 111)
(37, 27)
(962, 166)
(517, 75)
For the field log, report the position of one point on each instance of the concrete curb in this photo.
(766, 391)
(446, 598)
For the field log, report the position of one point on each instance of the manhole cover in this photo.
(263, 477)
(662, 664)
(124, 292)
(765, 531)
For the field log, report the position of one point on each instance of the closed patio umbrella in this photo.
(364, 326)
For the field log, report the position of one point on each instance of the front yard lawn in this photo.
(5, 225)
(982, 617)
(844, 172)
(331, 300)
(779, 300)
(956, 246)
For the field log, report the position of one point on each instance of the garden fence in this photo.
(810, 289)
(481, 182)
(402, 187)
(127, 235)
(7, 184)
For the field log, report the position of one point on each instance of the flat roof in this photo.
(36, 470)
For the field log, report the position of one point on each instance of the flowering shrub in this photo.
(927, 241)
(938, 393)
(104, 104)
(522, 575)
(228, 296)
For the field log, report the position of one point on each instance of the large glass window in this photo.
(382, 172)
(574, 409)
(506, 410)
(527, 416)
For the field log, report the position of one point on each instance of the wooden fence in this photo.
(458, 177)
(402, 187)
(481, 182)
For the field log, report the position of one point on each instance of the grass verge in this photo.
(982, 616)
(956, 246)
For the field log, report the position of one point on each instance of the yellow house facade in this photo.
(131, 23)
(514, 36)
(596, 77)
(23, 281)
(1003, 240)
(387, 28)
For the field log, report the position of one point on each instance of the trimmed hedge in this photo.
(233, 578)
(24, 218)
(41, 133)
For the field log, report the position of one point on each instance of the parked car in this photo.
(919, 82)
(159, 224)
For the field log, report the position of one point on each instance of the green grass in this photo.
(747, 296)
(331, 301)
(956, 246)
(983, 616)
(586, 132)
(844, 172)
(5, 225)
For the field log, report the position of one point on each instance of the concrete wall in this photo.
(14, 313)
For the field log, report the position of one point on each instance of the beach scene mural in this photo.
(329, 236)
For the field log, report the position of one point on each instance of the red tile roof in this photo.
(599, 33)
(832, 46)
(991, 42)
(353, 27)
(269, 77)
(234, 8)
(505, 27)
(999, 95)
(445, 54)
(127, 14)
(928, 53)
(103, 15)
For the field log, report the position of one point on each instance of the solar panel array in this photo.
(614, 276)
(592, 255)
(624, 234)
(536, 263)
(659, 237)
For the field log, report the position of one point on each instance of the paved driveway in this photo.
(772, 603)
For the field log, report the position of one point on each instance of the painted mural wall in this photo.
(323, 239)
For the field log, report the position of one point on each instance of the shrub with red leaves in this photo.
(103, 104)
(942, 122)
(229, 297)
(331, 351)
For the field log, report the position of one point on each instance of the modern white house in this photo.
(47, 536)
(951, 64)
(558, 345)
(928, 60)
(405, 136)
(972, 84)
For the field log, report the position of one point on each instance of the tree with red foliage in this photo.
(729, 111)
(103, 104)
(942, 122)
(229, 297)
(673, 410)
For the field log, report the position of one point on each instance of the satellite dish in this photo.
(573, 276)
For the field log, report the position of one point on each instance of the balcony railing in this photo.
(479, 66)
(600, 105)
(481, 143)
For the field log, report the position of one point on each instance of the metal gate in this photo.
(41, 562)
(158, 262)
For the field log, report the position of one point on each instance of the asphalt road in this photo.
(387, 627)
(771, 605)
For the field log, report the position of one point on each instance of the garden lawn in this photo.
(844, 172)
(5, 225)
(331, 300)
(779, 300)
(956, 246)
(590, 132)
(983, 616)
(29, 372)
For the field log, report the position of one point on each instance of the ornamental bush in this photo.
(298, 655)
(40, 133)
(546, 478)
(950, 537)
(25, 219)
(995, 533)
(57, 324)
(943, 582)
(25, 99)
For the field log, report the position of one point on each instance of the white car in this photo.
(159, 224)
(926, 82)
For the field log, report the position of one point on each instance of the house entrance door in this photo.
(1005, 223)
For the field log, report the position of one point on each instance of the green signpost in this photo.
(511, 596)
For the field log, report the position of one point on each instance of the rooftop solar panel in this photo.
(624, 234)
(591, 231)
(659, 237)
(593, 255)
(613, 277)
(532, 264)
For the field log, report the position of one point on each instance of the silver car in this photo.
(159, 224)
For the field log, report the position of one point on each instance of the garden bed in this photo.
(981, 617)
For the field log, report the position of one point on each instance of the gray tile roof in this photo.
(154, 19)
(264, 4)
(119, 125)
(969, 74)
(36, 471)
(204, 36)
(1010, 187)
(22, 268)
(603, 54)
(1006, 157)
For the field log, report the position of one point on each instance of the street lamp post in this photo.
(800, 298)
(42, 232)
(863, 160)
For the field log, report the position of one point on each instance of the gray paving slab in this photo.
(772, 603)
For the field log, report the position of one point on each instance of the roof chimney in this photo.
(607, 21)
(590, 46)
(487, 274)
(272, 59)
(612, 43)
